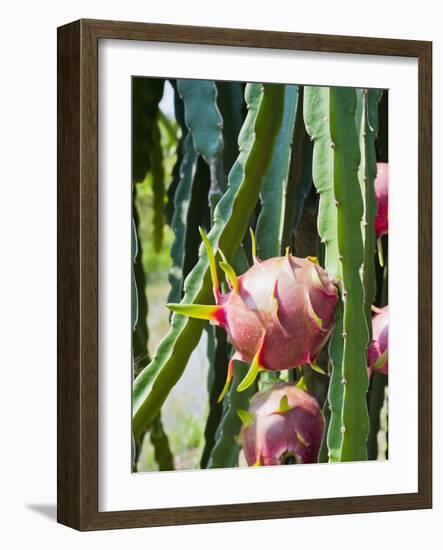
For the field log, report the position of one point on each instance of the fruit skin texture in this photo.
(381, 193)
(292, 436)
(278, 314)
(379, 344)
(284, 308)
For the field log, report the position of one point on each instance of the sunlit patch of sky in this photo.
(167, 101)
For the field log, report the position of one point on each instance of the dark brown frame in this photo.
(77, 455)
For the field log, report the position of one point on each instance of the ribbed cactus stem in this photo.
(205, 124)
(348, 194)
(316, 111)
(367, 126)
(330, 120)
(270, 223)
(224, 453)
(180, 223)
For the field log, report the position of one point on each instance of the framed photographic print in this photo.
(236, 211)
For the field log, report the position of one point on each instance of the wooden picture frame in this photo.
(78, 273)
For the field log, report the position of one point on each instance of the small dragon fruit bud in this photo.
(284, 425)
(378, 348)
(381, 193)
(278, 314)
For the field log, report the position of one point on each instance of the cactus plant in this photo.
(275, 209)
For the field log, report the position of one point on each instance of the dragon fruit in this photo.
(381, 193)
(381, 218)
(284, 425)
(278, 314)
(378, 348)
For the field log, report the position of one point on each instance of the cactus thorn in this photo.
(230, 276)
(380, 252)
(199, 311)
(228, 378)
(251, 375)
(212, 264)
(253, 245)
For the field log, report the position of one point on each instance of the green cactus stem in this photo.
(218, 353)
(347, 191)
(158, 186)
(181, 221)
(330, 120)
(205, 123)
(139, 306)
(366, 118)
(230, 101)
(299, 180)
(376, 399)
(146, 94)
(162, 451)
(225, 452)
(270, 223)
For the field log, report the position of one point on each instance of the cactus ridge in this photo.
(330, 120)
(180, 222)
(270, 222)
(366, 117)
(348, 194)
(205, 124)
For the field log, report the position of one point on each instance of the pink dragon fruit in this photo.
(284, 425)
(378, 348)
(278, 315)
(381, 193)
